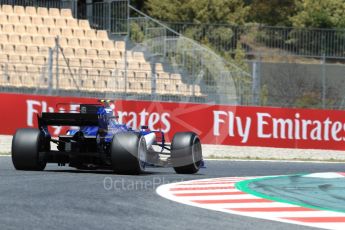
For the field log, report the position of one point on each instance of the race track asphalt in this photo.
(63, 198)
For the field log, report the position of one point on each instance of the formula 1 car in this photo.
(100, 142)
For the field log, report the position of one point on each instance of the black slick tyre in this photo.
(26, 145)
(128, 153)
(186, 153)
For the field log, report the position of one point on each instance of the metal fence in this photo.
(267, 40)
(291, 83)
(59, 75)
(199, 66)
(221, 80)
(283, 84)
(111, 16)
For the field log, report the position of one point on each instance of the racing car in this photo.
(98, 141)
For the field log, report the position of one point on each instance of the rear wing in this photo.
(68, 119)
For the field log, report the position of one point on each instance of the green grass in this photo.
(4, 154)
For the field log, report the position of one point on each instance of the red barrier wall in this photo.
(216, 124)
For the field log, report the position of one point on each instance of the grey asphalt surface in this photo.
(63, 198)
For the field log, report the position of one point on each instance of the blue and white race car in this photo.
(100, 142)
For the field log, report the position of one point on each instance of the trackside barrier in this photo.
(216, 124)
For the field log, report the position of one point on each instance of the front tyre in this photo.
(128, 153)
(186, 153)
(26, 145)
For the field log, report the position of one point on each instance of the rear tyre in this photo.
(128, 153)
(26, 145)
(186, 153)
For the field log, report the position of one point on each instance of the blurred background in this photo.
(256, 52)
